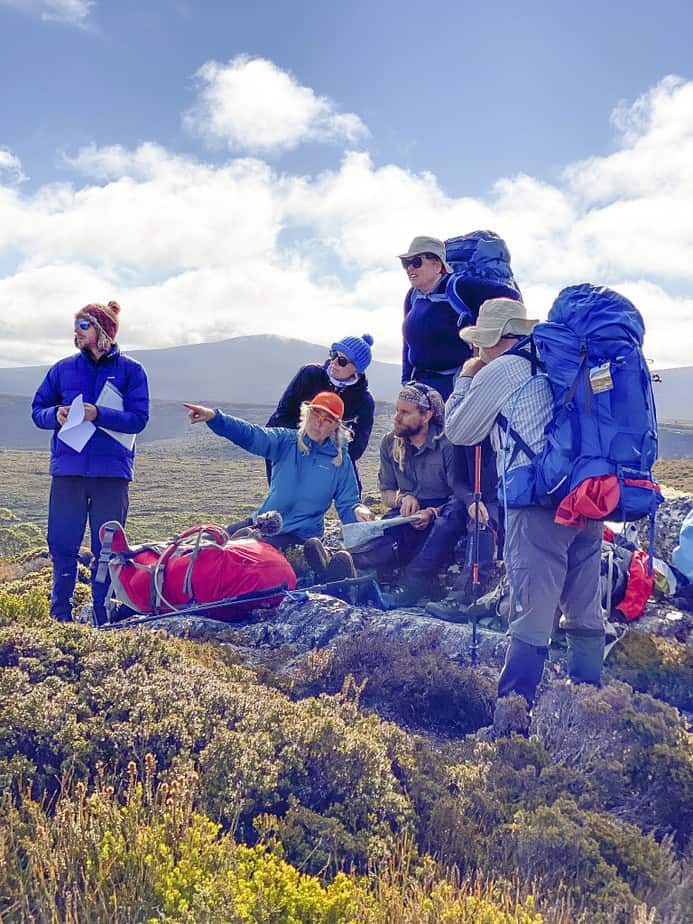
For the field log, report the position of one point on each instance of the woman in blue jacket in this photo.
(89, 482)
(310, 468)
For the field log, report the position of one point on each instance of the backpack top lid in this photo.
(482, 254)
(596, 311)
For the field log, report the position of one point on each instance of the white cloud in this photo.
(251, 104)
(196, 251)
(11, 166)
(70, 12)
(74, 12)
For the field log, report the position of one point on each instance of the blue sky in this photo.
(228, 168)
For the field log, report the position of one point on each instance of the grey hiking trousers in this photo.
(549, 567)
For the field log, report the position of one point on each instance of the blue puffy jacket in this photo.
(103, 456)
(303, 485)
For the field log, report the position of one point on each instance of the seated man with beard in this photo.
(417, 476)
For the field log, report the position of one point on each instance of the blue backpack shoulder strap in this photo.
(464, 313)
(527, 348)
(520, 444)
(450, 296)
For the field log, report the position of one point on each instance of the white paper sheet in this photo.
(76, 431)
(110, 397)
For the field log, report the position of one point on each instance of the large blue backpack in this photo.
(604, 420)
(482, 256)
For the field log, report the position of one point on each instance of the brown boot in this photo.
(341, 566)
(317, 557)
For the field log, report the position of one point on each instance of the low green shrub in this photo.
(149, 854)
(599, 859)
(658, 666)
(71, 697)
(411, 681)
(632, 753)
(16, 539)
(608, 772)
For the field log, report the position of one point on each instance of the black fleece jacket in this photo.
(359, 407)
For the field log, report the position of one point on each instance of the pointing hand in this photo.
(197, 413)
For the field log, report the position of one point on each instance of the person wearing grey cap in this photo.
(549, 565)
(432, 351)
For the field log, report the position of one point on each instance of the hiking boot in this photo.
(585, 658)
(448, 610)
(523, 669)
(407, 594)
(341, 566)
(317, 557)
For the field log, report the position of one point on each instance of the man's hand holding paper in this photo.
(76, 431)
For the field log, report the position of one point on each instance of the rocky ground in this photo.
(307, 621)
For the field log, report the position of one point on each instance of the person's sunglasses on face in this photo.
(416, 261)
(341, 359)
(321, 416)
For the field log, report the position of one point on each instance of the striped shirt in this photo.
(472, 409)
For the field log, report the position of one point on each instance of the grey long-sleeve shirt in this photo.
(429, 472)
(472, 409)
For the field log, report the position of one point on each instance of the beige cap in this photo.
(498, 317)
(421, 245)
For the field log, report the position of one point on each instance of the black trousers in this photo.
(74, 499)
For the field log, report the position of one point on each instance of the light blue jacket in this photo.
(303, 485)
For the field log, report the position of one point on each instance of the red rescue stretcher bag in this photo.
(201, 565)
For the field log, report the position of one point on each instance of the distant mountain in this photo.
(168, 430)
(245, 370)
(674, 394)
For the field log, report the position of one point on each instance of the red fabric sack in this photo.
(200, 566)
(639, 587)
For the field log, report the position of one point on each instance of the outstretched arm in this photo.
(261, 441)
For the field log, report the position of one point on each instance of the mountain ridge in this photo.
(221, 370)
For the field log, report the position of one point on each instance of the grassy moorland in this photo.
(175, 490)
(148, 778)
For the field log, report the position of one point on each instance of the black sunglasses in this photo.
(417, 260)
(341, 360)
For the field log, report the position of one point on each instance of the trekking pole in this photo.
(475, 565)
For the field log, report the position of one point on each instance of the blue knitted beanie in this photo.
(356, 349)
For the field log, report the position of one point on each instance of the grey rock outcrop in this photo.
(308, 621)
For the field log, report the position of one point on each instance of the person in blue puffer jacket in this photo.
(92, 483)
(310, 468)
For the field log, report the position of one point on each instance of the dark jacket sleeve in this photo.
(135, 414)
(387, 477)
(407, 367)
(303, 386)
(44, 408)
(461, 474)
(363, 428)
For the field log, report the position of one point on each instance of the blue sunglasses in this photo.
(83, 324)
